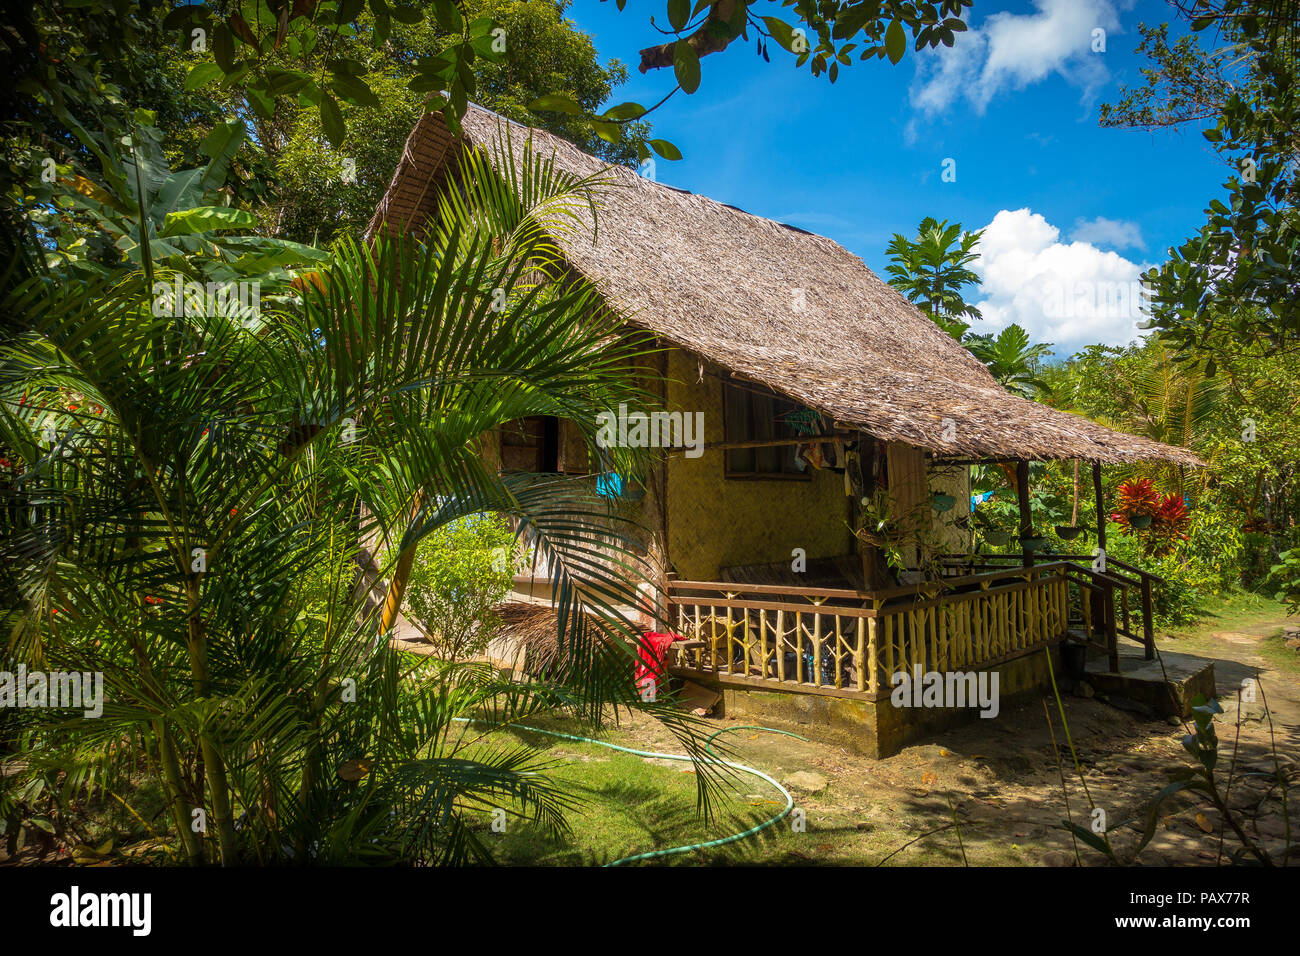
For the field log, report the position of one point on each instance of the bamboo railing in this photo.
(1126, 589)
(849, 643)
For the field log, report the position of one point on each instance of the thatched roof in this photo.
(722, 283)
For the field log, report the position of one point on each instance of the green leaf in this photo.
(206, 219)
(609, 132)
(686, 65)
(1153, 811)
(201, 74)
(555, 103)
(895, 41)
(331, 120)
(220, 146)
(625, 111)
(781, 32)
(354, 90)
(665, 149)
(406, 14)
(679, 13)
(448, 16)
(1088, 837)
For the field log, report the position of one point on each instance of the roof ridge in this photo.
(561, 141)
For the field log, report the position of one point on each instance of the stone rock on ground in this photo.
(806, 781)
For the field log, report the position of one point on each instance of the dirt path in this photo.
(1005, 784)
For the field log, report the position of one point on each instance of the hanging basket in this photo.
(1139, 521)
(942, 502)
(1068, 532)
(873, 539)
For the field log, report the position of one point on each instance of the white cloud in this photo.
(1116, 233)
(1070, 294)
(1012, 51)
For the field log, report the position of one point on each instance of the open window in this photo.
(765, 425)
(543, 444)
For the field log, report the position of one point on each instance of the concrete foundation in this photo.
(877, 728)
(1167, 690)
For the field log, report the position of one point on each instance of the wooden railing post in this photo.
(1148, 626)
(1112, 632)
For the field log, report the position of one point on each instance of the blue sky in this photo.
(1075, 211)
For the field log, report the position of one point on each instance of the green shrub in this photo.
(1285, 578)
(1207, 563)
(462, 572)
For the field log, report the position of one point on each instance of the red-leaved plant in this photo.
(1168, 513)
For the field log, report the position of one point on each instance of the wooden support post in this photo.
(1026, 519)
(1148, 628)
(1101, 509)
(1101, 538)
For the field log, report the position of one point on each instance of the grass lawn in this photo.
(1245, 613)
(633, 805)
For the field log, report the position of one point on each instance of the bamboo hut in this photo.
(825, 396)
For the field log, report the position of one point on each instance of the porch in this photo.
(839, 648)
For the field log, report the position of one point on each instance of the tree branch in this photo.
(707, 39)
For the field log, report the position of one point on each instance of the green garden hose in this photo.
(708, 747)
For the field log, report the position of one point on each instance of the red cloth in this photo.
(653, 650)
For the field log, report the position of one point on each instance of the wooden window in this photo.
(752, 413)
(543, 444)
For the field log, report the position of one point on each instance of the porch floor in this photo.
(1167, 690)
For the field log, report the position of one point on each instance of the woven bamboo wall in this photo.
(715, 522)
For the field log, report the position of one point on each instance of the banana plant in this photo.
(134, 199)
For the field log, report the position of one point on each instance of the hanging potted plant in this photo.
(941, 502)
(1139, 503)
(1033, 543)
(1068, 532)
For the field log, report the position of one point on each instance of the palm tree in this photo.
(195, 491)
(932, 270)
(1011, 359)
(1168, 401)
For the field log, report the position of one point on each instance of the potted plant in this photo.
(1068, 532)
(1074, 658)
(941, 502)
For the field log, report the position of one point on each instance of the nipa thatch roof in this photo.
(725, 284)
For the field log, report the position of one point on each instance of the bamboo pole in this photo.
(817, 648)
(888, 622)
(798, 647)
(780, 645)
(731, 651)
(839, 655)
(869, 631)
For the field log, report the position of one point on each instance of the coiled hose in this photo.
(708, 747)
